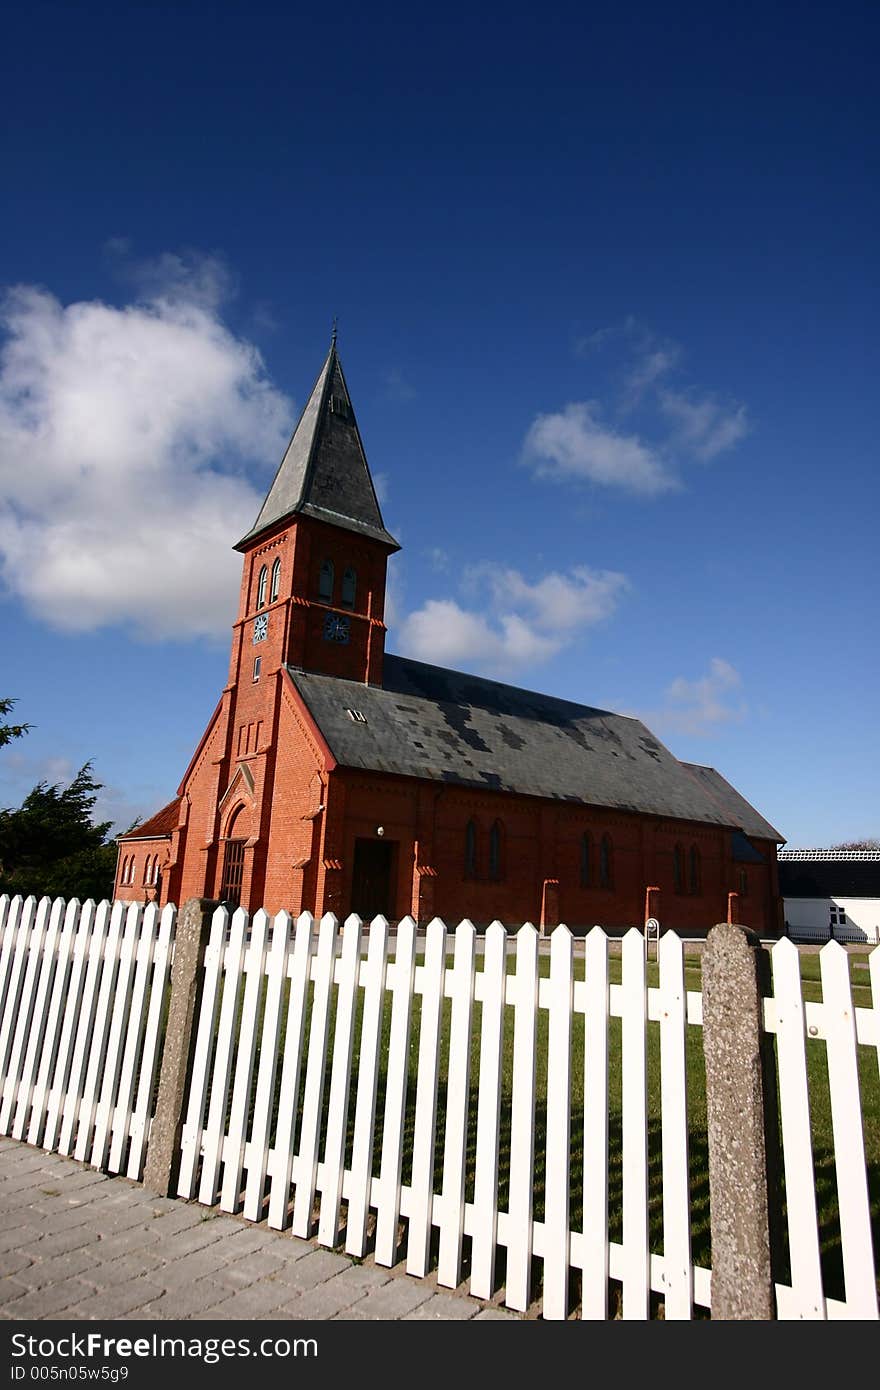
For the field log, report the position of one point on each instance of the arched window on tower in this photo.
(470, 850)
(132, 863)
(694, 875)
(678, 869)
(349, 588)
(148, 864)
(586, 856)
(261, 587)
(123, 871)
(495, 850)
(276, 581)
(325, 582)
(606, 863)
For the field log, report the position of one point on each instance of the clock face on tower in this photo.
(336, 627)
(261, 627)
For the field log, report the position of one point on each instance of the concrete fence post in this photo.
(734, 966)
(193, 928)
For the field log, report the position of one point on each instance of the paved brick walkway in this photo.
(75, 1243)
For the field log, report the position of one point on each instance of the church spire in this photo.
(324, 472)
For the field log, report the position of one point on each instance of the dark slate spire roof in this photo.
(427, 722)
(324, 473)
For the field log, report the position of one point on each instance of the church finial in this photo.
(333, 334)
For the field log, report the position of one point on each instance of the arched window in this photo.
(123, 871)
(276, 581)
(349, 588)
(678, 869)
(470, 850)
(694, 870)
(131, 868)
(495, 850)
(606, 863)
(148, 864)
(233, 863)
(742, 883)
(586, 856)
(155, 869)
(325, 582)
(261, 587)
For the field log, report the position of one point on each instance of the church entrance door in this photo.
(371, 881)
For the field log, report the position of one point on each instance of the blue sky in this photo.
(606, 280)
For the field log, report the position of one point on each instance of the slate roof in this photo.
(324, 472)
(733, 806)
(436, 724)
(159, 825)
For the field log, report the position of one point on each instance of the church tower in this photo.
(313, 581)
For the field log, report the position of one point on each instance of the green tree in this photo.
(10, 731)
(49, 845)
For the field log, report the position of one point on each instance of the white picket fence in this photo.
(286, 1122)
(82, 990)
(235, 1152)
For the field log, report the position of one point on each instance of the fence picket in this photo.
(85, 1023)
(54, 1019)
(597, 1010)
(276, 970)
(193, 1128)
(11, 928)
(215, 1129)
(373, 976)
(108, 967)
(140, 1117)
(288, 1102)
(37, 1027)
(245, 1050)
(388, 1206)
(121, 1104)
(557, 1198)
(485, 1232)
(425, 1123)
(28, 963)
(72, 996)
(678, 1275)
(457, 1104)
(796, 1134)
(113, 1056)
(849, 1144)
(634, 1098)
(305, 1166)
(340, 1080)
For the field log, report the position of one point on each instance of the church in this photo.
(336, 777)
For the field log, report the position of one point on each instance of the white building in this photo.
(831, 894)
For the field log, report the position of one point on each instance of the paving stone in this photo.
(11, 1261)
(59, 1242)
(188, 1301)
(69, 1265)
(312, 1269)
(442, 1305)
(253, 1302)
(133, 1295)
(394, 1300)
(249, 1268)
(198, 1264)
(50, 1301)
(495, 1315)
(182, 1217)
(332, 1298)
(249, 1240)
(124, 1242)
(126, 1267)
(186, 1242)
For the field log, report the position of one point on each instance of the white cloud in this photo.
(397, 388)
(519, 625)
(703, 425)
(573, 444)
(123, 438)
(699, 706)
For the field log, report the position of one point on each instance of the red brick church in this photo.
(335, 777)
